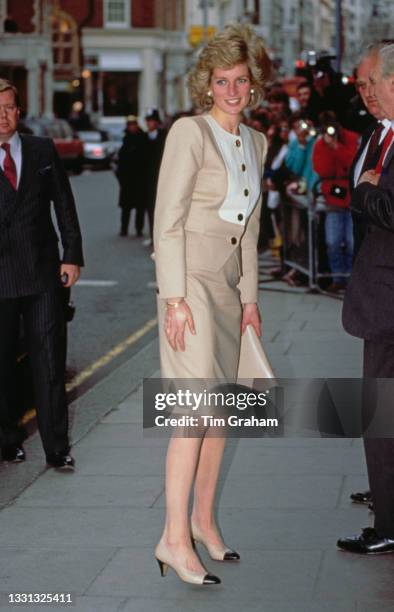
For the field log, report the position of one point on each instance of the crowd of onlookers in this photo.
(312, 127)
(311, 146)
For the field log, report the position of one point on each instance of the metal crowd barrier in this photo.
(304, 238)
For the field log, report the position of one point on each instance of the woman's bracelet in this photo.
(174, 304)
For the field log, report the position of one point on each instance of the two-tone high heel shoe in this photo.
(166, 560)
(217, 553)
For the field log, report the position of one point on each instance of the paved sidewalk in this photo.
(282, 503)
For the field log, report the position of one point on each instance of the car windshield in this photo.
(58, 129)
(90, 136)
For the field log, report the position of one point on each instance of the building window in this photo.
(117, 13)
(252, 11)
(65, 45)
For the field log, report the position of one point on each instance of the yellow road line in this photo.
(101, 362)
(112, 353)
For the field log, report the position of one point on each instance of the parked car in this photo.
(98, 149)
(115, 128)
(68, 145)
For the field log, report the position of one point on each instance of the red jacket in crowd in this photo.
(333, 166)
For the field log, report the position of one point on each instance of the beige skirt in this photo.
(213, 352)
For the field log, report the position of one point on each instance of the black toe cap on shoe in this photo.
(211, 579)
(231, 555)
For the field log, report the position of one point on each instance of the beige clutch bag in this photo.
(253, 362)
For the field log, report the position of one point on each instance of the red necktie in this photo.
(372, 151)
(386, 143)
(9, 167)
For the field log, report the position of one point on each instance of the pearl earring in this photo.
(209, 93)
(252, 91)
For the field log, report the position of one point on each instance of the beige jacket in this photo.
(188, 231)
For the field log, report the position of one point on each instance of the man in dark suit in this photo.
(366, 158)
(367, 311)
(156, 137)
(131, 169)
(31, 275)
(371, 139)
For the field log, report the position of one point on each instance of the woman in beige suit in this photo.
(206, 229)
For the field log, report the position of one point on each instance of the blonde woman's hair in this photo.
(236, 44)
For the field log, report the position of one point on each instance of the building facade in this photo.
(119, 56)
(378, 20)
(122, 57)
(364, 22)
(291, 27)
(136, 56)
(26, 53)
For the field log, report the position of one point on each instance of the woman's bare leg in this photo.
(207, 475)
(181, 465)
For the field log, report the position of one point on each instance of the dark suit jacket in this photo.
(131, 171)
(153, 153)
(359, 225)
(29, 254)
(368, 305)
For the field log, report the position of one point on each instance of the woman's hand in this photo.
(251, 316)
(176, 318)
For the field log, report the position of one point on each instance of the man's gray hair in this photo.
(371, 49)
(387, 57)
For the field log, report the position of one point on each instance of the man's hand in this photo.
(369, 176)
(251, 316)
(72, 272)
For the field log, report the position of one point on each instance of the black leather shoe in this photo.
(61, 461)
(13, 454)
(368, 543)
(361, 498)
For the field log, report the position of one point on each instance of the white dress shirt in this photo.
(16, 154)
(357, 170)
(392, 140)
(153, 134)
(243, 173)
